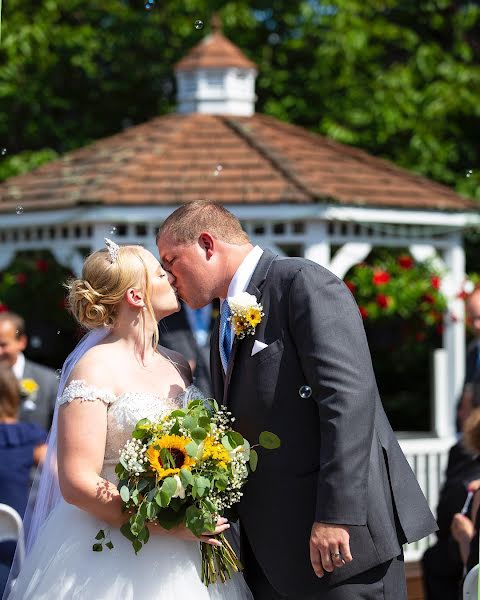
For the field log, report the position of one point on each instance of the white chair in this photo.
(11, 529)
(470, 585)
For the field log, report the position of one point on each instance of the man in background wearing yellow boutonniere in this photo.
(38, 384)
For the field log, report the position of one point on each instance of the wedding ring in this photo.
(336, 554)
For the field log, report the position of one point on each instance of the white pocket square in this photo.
(258, 347)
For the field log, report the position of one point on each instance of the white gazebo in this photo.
(294, 191)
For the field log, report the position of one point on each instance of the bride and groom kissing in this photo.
(324, 516)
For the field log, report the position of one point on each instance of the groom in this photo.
(325, 515)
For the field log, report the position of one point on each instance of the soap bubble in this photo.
(305, 391)
(35, 341)
(198, 24)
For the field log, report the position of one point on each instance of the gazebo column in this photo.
(348, 256)
(454, 322)
(317, 243)
(441, 415)
(7, 254)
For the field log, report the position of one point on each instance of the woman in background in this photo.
(22, 445)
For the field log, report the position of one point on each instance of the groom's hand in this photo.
(329, 547)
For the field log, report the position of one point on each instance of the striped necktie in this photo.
(225, 338)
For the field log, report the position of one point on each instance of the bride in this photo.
(114, 378)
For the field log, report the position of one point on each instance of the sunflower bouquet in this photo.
(188, 467)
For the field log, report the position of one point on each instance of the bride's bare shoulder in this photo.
(97, 367)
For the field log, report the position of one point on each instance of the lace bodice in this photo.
(123, 412)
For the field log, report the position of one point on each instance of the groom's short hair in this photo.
(188, 221)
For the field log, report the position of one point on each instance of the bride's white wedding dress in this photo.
(62, 564)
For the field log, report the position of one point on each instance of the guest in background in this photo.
(465, 528)
(442, 563)
(22, 445)
(188, 332)
(473, 351)
(38, 384)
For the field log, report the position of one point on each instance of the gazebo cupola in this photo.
(216, 78)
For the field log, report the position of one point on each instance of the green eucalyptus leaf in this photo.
(125, 493)
(194, 520)
(192, 449)
(100, 535)
(143, 535)
(152, 510)
(169, 486)
(221, 482)
(142, 484)
(204, 422)
(109, 545)
(126, 531)
(189, 422)
(198, 434)
(97, 547)
(178, 413)
(186, 477)
(162, 499)
(269, 440)
(253, 460)
(235, 439)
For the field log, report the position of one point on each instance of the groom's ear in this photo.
(207, 243)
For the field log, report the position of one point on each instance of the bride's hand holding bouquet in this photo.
(182, 473)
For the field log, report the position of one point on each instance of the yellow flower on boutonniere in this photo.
(28, 386)
(247, 313)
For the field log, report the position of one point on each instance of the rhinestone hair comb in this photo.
(113, 249)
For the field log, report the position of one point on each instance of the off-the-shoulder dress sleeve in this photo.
(82, 390)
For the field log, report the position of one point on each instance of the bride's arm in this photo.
(82, 432)
(82, 429)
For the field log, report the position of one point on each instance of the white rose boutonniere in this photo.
(247, 313)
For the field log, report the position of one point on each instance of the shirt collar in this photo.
(19, 366)
(244, 273)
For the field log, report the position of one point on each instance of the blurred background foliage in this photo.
(399, 79)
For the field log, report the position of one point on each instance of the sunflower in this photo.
(253, 316)
(215, 451)
(176, 447)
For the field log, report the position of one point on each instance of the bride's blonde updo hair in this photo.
(94, 299)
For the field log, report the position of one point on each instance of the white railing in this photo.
(428, 458)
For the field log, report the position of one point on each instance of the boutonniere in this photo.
(28, 387)
(247, 313)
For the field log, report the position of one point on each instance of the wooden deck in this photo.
(414, 581)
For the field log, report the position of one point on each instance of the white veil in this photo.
(45, 492)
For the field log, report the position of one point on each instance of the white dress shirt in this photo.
(243, 275)
(19, 366)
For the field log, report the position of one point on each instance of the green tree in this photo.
(400, 79)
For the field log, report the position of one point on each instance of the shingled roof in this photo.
(257, 160)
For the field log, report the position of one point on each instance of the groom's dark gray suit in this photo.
(339, 461)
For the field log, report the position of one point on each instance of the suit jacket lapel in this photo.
(254, 288)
